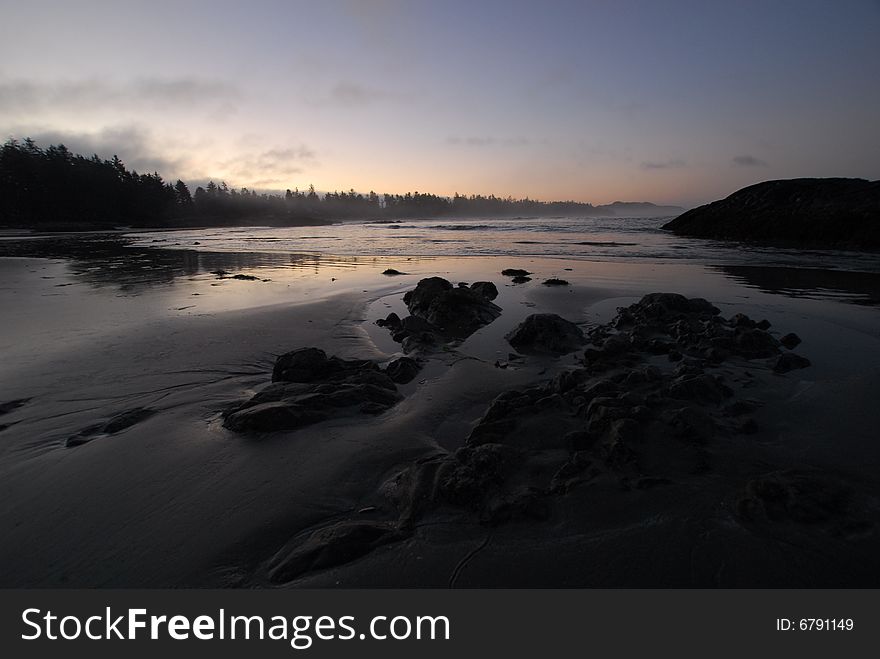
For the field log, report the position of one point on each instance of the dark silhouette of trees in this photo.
(54, 189)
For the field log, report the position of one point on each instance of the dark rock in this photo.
(313, 365)
(692, 424)
(659, 347)
(530, 504)
(763, 324)
(402, 369)
(790, 341)
(392, 271)
(521, 280)
(457, 312)
(568, 380)
(740, 407)
(334, 545)
(309, 387)
(392, 320)
(555, 282)
(796, 495)
(546, 333)
(272, 417)
(485, 288)
(789, 361)
(515, 272)
(419, 341)
(702, 388)
(579, 440)
(615, 344)
(303, 365)
(661, 305)
(10, 405)
(127, 419)
(741, 320)
(115, 424)
(245, 277)
(477, 471)
(415, 324)
(755, 343)
(625, 430)
(820, 212)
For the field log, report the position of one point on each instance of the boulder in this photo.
(402, 369)
(790, 341)
(789, 361)
(309, 387)
(547, 333)
(452, 312)
(815, 212)
(485, 288)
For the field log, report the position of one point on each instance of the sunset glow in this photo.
(668, 102)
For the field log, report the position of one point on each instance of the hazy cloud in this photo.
(272, 167)
(665, 164)
(132, 143)
(354, 95)
(28, 96)
(748, 161)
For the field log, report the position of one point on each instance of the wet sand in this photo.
(178, 500)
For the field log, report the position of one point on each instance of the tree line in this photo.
(54, 188)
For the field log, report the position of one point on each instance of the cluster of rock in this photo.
(441, 312)
(673, 325)
(643, 409)
(309, 387)
(626, 413)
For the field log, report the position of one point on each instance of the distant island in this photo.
(53, 189)
(841, 213)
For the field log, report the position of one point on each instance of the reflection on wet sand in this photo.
(111, 260)
(854, 287)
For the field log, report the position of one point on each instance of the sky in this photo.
(674, 102)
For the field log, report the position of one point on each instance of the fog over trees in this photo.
(53, 188)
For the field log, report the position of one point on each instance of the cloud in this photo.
(666, 164)
(488, 141)
(272, 167)
(132, 143)
(347, 94)
(748, 161)
(25, 96)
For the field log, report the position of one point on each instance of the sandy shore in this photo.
(179, 500)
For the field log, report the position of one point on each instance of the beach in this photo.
(177, 499)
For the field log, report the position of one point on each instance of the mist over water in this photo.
(601, 239)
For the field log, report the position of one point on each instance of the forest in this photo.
(54, 189)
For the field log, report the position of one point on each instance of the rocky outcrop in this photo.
(309, 387)
(546, 332)
(653, 404)
(442, 313)
(814, 212)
